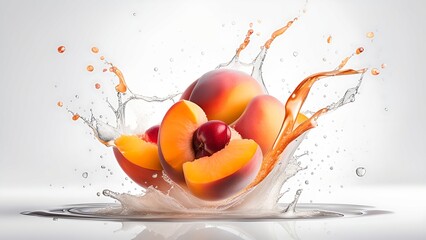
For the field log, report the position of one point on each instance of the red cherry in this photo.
(151, 134)
(210, 137)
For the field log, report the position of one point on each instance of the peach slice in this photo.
(224, 173)
(175, 137)
(223, 94)
(139, 160)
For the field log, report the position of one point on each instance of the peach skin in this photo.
(262, 120)
(223, 94)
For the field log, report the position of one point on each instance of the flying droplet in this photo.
(90, 68)
(375, 71)
(370, 34)
(97, 85)
(95, 50)
(156, 69)
(383, 66)
(75, 117)
(360, 172)
(295, 53)
(85, 174)
(154, 175)
(61, 49)
(102, 58)
(306, 182)
(359, 50)
(98, 194)
(60, 104)
(329, 39)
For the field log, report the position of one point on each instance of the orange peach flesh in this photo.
(226, 172)
(175, 136)
(139, 152)
(300, 119)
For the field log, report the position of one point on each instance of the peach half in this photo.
(139, 160)
(262, 120)
(223, 94)
(175, 137)
(224, 173)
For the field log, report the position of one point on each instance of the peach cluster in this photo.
(211, 142)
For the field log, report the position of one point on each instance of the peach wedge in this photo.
(226, 172)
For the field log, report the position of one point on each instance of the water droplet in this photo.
(102, 58)
(325, 136)
(331, 168)
(95, 50)
(329, 39)
(98, 194)
(90, 68)
(61, 49)
(386, 109)
(202, 53)
(233, 22)
(171, 60)
(154, 175)
(59, 104)
(370, 34)
(281, 59)
(360, 172)
(156, 69)
(97, 85)
(55, 219)
(324, 59)
(383, 65)
(85, 174)
(306, 182)
(134, 14)
(103, 167)
(295, 53)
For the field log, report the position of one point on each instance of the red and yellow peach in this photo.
(223, 94)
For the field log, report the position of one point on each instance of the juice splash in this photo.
(279, 164)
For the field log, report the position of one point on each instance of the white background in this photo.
(44, 151)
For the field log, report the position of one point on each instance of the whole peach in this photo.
(223, 94)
